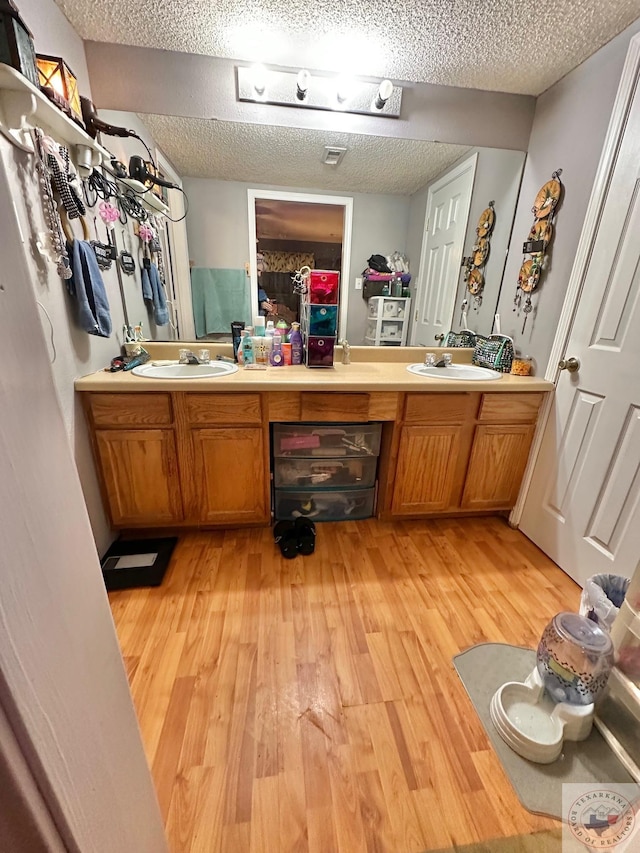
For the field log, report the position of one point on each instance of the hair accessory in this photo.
(145, 232)
(108, 212)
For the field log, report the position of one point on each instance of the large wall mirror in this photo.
(388, 181)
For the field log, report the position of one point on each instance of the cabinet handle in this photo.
(439, 337)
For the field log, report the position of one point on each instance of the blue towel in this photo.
(153, 291)
(87, 286)
(219, 297)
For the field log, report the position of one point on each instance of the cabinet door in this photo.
(230, 475)
(140, 473)
(498, 459)
(428, 475)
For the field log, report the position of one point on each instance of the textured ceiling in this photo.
(520, 46)
(291, 157)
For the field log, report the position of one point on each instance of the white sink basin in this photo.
(185, 371)
(466, 372)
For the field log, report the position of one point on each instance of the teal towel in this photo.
(219, 297)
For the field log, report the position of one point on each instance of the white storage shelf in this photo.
(23, 107)
(388, 321)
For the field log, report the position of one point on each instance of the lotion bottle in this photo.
(295, 339)
(247, 347)
(277, 356)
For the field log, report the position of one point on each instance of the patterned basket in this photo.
(495, 352)
(463, 338)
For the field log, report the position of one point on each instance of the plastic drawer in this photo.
(329, 473)
(337, 505)
(329, 441)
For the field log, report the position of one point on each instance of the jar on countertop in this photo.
(522, 365)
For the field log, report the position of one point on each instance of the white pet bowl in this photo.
(532, 724)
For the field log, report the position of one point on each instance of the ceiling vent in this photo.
(333, 155)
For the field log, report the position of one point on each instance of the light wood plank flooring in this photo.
(311, 705)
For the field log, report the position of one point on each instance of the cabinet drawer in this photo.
(333, 406)
(223, 409)
(439, 408)
(510, 408)
(131, 410)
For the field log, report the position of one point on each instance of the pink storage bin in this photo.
(323, 287)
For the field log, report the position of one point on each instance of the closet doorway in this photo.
(291, 230)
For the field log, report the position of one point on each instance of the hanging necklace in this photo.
(50, 210)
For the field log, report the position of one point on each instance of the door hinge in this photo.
(415, 318)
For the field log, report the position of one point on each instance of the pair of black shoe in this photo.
(295, 537)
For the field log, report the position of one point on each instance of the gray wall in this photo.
(165, 85)
(218, 232)
(498, 174)
(569, 128)
(77, 353)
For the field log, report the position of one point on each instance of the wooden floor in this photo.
(311, 704)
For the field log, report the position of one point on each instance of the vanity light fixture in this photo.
(302, 84)
(257, 84)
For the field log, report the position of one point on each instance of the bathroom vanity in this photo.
(196, 453)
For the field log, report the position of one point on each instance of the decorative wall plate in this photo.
(480, 252)
(486, 222)
(529, 275)
(475, 282)
(547, 198)
(542, 230)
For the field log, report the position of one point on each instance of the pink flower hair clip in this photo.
(145, 232)
(108, 212)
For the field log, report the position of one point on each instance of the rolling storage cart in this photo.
(326, 472)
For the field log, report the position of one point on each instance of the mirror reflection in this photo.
(408, 197)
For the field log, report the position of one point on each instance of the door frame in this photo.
(468, 164)
(180, 270)
(310, 198)
(629, 84)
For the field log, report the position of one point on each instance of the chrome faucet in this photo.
(188, 357)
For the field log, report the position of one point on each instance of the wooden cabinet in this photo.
(190, 459)
(140, 474)
(207, 464)
(426, 472)
(459, 453)
(435, 442)
(498, 460)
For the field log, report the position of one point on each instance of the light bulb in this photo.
(384, 93)
(344, 88)
(259, 78)
(302, 84)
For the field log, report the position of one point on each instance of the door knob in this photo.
(570, 364)
(439, 337)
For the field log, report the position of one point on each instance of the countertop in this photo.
(358, 376)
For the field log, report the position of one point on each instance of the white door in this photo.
(583, 508)
(448, 203)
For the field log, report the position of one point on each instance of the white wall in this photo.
(568, 132)
(218, 232)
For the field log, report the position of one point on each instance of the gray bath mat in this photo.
(484, 668)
